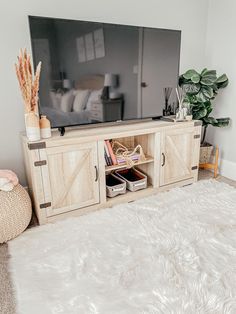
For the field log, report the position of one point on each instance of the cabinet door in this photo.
(177, 155)
(70, 177)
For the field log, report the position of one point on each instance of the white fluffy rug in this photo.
(170, 253)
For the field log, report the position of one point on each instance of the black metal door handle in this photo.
(144, 84)
(96, 169)
(163, 160)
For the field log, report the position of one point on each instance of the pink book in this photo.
(113, 157)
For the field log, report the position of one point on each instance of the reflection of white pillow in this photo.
(67, 101)
(94, 96)
(80, 101)
(55, 99)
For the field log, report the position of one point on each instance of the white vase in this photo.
(32, 126)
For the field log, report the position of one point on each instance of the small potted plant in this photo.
(200, 89)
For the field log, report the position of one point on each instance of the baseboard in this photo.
(227, 169)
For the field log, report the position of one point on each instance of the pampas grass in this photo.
(29, 83)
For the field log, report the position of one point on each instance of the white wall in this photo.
(188, 16)
(221, 55)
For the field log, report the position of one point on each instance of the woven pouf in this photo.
(15, 213)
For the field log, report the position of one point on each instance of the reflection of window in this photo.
(99, 45)
(90, 46)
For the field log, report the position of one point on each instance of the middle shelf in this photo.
(148, 159)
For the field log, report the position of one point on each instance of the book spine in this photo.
(113, 157)
(107, 154)
(106, 158)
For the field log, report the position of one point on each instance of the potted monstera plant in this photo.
(200, 89)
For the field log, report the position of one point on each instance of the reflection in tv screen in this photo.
(98, 72)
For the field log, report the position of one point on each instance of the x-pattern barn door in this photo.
(177, 155)
(70, 177)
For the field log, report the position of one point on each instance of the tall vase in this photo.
(45, 127)
(32, 126)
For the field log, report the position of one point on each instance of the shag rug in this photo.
(170, 253)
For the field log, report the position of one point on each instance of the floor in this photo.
(7, 300)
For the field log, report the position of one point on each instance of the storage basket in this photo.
(206, 153)
(135, 180)
(114, 185)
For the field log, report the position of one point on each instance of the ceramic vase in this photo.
(45, 127)
(32, 126)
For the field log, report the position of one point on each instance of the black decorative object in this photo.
(167, 93)
(62, 131)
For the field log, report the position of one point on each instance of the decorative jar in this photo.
(45, 127)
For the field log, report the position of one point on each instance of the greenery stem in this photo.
(204, 134)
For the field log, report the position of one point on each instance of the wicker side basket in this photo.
(206, 154)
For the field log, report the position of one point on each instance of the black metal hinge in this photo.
(40, 163)
(197, 123)
(45, 205)
(40, 145)
(195, 168)
(197, 136)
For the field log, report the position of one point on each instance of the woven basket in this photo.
(15, 213)
(206, 152)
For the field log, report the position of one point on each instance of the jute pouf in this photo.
(15, 213)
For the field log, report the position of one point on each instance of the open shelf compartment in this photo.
(147, 166)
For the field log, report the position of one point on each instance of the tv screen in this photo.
(98, 72)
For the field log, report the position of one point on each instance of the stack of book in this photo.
(111, 159)
(109, 155)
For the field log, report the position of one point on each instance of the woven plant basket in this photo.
(206, 152)
(15, 213)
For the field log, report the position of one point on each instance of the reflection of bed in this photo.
(74, 106)
(60, 118)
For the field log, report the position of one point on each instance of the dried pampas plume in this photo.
(29, 84)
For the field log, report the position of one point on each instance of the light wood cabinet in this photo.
(177, 153)
(67, 175)
(70, 177)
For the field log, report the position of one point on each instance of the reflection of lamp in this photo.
(66, 84)
(110, 80)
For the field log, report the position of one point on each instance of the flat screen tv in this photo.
(96, 72)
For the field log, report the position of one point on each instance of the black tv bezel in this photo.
(61, 128)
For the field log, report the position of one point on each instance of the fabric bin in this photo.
(135, 179)
(114, 185)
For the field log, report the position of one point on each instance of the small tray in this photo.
(135, 179)
(114, 185)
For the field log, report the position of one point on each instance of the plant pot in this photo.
(32, 126)
(206, 151)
